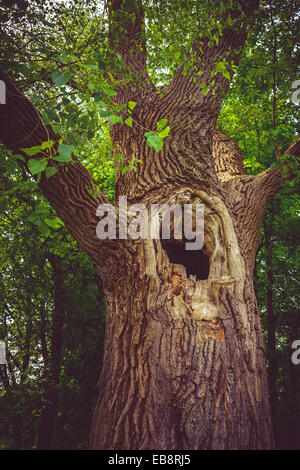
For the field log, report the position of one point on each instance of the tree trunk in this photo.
(184, 364)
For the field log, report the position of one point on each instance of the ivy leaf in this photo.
(37, 166)
(128, 121)
(60, 78)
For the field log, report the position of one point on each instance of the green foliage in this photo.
(155, 139)
(26, 320)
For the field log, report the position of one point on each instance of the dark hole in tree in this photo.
(195, 261)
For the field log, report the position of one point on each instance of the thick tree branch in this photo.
(294, 149)
(271, 180)
(127, 38)
(248, 197)
(71, 191)
(227, 157)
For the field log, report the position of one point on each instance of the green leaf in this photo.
(131, 105)
(123, 169)
(92, 86)
(20, 157)
(113, 119)
(37, 166)
(50, 171)
(62, 158)
(34, 219)
(226, 74)
(64, 153)
(65, 150)
(161, 124)
(128, 121)
(220, 66)
(47, 145)
(54, 223)
(51, 114)
(32, 150)
(91, 66)
(154, 141)
(164, 133)
(108, 91)
(104, 113)
(60, 78)
(132, 166)
(44, 229)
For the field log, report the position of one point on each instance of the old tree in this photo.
(184, 363)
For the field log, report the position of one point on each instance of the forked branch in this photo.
(127, 38)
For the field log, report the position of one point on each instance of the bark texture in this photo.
(184, 362)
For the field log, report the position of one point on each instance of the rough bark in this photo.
(184, 362)
(184, 359)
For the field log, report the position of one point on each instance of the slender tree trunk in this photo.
(184, 364)
(51, 396)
